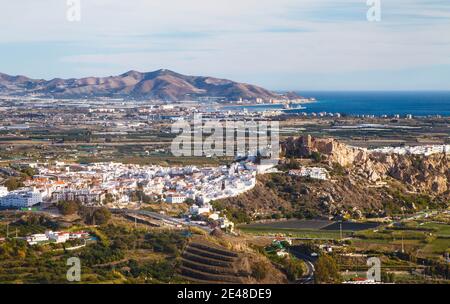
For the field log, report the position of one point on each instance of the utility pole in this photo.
(403, 245)
(7, 230)
(340, 229)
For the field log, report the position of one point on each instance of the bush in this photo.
(387, 277)
(98, 216)
(259, 270)
(68, 207)
(316, 156)
(160, 270)
(170, 243)
(14, 183)
(327, 270)
(294, 268)
(99, 254)
(102, 216)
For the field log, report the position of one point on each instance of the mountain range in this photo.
(161, 85)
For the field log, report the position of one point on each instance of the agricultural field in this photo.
(320, 229)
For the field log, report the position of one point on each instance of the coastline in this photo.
(365, 104)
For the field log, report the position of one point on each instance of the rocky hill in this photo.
(426, 174)
(161, 85)
(362, 184)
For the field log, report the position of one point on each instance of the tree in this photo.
(327, 270)
(28, 171)
(189, 201)
(14, 183)
(293, 164)
(294, 268)
(68, 207)
(101, 216)
(387, 277)
(316, 156)
(109, 198)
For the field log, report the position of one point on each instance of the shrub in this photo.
(327, 270)
(259, 270)
(68, 207)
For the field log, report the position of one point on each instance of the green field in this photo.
(436, 247)
(299, 233)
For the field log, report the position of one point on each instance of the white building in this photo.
(226, 224)
(214, 216)
(36, 238)
(312, 172)
(426, 150)
(175, 199)
(197, 210)
(22, 198)
(58, 237)
(3, 191)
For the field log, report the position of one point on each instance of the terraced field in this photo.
(210, 264)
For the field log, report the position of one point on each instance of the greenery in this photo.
(101, 216)
(161, 270)
(123, 255)
(327, 270)
(14, 183)
(316, 156)
(68, 207)
(387, 277)
(95, 216)
(259, 270)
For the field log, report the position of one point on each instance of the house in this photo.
(78, 235)
(312, 172)
(214, 216)
(85, 196)
(204, 209)
(226, 224)
(22, 198)
(175, 199)
(58, 237)
(326, 248)
(36, 239)
(282, 253)
(3, 191)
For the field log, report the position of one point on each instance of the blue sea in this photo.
(421, 103)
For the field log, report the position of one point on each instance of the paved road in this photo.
(308, 277)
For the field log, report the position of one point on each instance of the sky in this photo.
(278, 44)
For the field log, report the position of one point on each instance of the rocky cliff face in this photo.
(426, 174)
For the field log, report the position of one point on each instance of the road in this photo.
(163, 218)
(308, 277)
